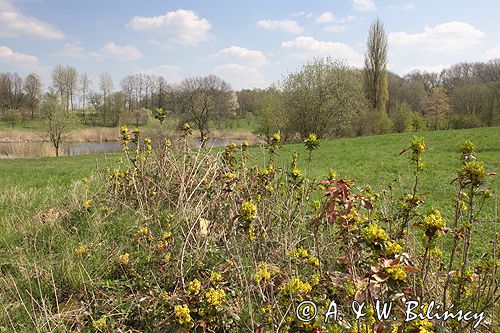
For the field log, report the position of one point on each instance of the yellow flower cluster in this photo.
(433, 222)
(417, 145)
(194, 287)
(374, 233)
(100, 324)
(124, 259)
(397, 273)
(276, 137)
(266, 309)
(392, 248)
(313, 261)
(143, 231)
(473, 171)
(215, 278)
(311, 142)
(296, 173)
(215, 297)
(262, 274)
(298, 253)
(86, 203)
(315, 279)
(82, 249)
(295, 287)
(182, 314)
(230, 176)
(248, 211)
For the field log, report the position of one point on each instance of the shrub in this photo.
(219, 244)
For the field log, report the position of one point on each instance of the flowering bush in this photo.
(218, 244)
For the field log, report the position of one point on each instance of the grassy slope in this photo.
(31, 184)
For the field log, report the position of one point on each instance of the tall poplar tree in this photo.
(375, 71)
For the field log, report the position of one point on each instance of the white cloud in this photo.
(13, 23)
(493, 53)
(171, 73)
(326, 17)
(112, 50)
(443, 38)
(240, 76)
(335, 28)
(72, 51)
(184, 27)
(288, 26)
(242, 56)
(405, 7)
(364, 5)
(306, 46)
(11, 57)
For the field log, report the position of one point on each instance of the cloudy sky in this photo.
(247, 43)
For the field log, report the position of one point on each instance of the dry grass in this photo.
(23, 149)
(95, 134)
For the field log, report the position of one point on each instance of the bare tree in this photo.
(33, 92)
(65, 81)
(438, 106)
(106, 87)
(203, 99)
(375, 71)
(85, 82)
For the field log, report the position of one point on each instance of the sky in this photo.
(247, 43)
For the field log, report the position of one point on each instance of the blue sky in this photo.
(247, 43)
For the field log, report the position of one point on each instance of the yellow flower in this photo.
(194, 287)
(248, 211)
(432, 223)
(298, 253)
(262, 274)
(182, 314)
(313, 261)
(143, 231)
(82, 249)
(215, 278)
(315, 279)
(373, 233)
(392, 248)
(266, 309)
(295, 287)
(86, 203)
(251, 233)
(417, 145)
(215, 297)
(296, 173)
(100, 324)
(397, 273)
(276, 137)
(124, 259)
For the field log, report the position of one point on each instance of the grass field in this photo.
(371, 160)
(31, 184)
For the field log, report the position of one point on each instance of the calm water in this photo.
(38, 149)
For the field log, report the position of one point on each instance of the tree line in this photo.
(325, 96)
